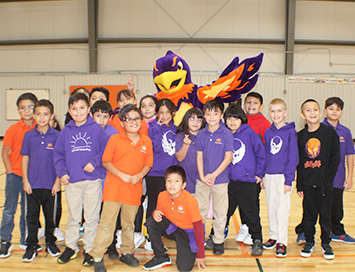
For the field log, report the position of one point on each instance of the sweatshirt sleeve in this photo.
(59, 156)
(299, 166)
(97, 159)
(155, 133)
(292, 161)
(334, 156)
(259, 154)
(200, 239)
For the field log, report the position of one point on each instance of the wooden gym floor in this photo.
(237, 256)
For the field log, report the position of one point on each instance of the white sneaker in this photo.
(148, 245)
(119, 238)
(23, 246)
(40, 233)
(243, 232)
(139, 238)
(57, 233)
(248, 240)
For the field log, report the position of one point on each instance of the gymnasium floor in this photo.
(236, 258)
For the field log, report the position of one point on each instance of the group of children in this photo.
(109, 160)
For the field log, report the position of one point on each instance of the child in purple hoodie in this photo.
(280, 167)
(77, 159)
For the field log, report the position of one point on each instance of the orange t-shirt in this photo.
(14, 138)
(130, 159)
(182, 211)
(116, 123)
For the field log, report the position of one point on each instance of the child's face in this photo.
(132, 124)
(97, 96)
(277, 114)
(79, 111)
(25, 109)
(194, 124)
(43, 116)
(233, 123)
(213, 116)
(311, 112)
(333, 112)
(252, 106)
(101, 118)
(174, 185)
(148, 108)
(125, 100)
(164, 115)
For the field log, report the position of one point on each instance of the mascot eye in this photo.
(180, 66)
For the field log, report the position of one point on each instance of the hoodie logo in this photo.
(81, 143)
(313, 148)
(168, 144)
(238, 154)
(275, 145)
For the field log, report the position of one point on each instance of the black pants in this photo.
(38, 198)
(185, 259)
(155, 185)
(317, 202)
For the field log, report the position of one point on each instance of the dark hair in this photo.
(235, 111)
(76, 97)
(27, 96)
(126, 93)
(101, 90)
(256, 95)
(184, 125)
(175, 169)
(166, 102)
(78, 89)
(213, 105)
(148, 96)
(126, 109)
(309, 100)
(56, 125)
(334, 100)
(44, 103)
(101, 105)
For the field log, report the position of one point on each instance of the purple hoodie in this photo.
(248, 155)
(282, 151)
(76, 147)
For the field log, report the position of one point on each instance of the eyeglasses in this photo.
(198, 120)
(29, 108)
(131, 120)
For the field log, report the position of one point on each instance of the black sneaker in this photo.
(281, 251)
(67, 255)
(307, 250)
(157, 262)
(6, 248)
(112, 252)
(218, 249)
(270, 244)
(99, 266)
(257, 249)
(209, 243)
(327, 251)
(129, 259)
(88, 259)
(30, 254)
(53, 249)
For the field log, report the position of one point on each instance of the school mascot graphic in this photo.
(172, 78)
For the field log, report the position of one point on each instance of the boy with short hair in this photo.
(214, 145)
(319, 157)
(101, 112)
(97, 94)
(281, 162)
(11, 157)
(123, 186)
(177, 216)
(77, 159)
(39, 179)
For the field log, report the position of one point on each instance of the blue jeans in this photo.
(13, 188)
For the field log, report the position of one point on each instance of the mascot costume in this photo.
(172, 78)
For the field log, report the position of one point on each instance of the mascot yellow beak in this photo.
(171, 82)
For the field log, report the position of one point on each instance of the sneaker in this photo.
(88, 259)
(270, 244)
(157, 262)
(119, 238)
(112, 252)
(307, 250)
(22, 246)
(58, 234)
(257, 249)
(99, 266)
(345, 238)
(6, 249)
(281, 251)
(67, 255)
(327, 251)
(248, 240)
(209, 243)
(225, 233)
(81, 229)
(129, 259)
(53, 249)
(301, 239)
(243, 232)
(139, 238)
(30, 254)
(40, 233)
(148, 245)
(218, 249)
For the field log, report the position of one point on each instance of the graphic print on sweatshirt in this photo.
(81, 143)
(167, 143)
(275, 145)
(238, 154)
(313, 148)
